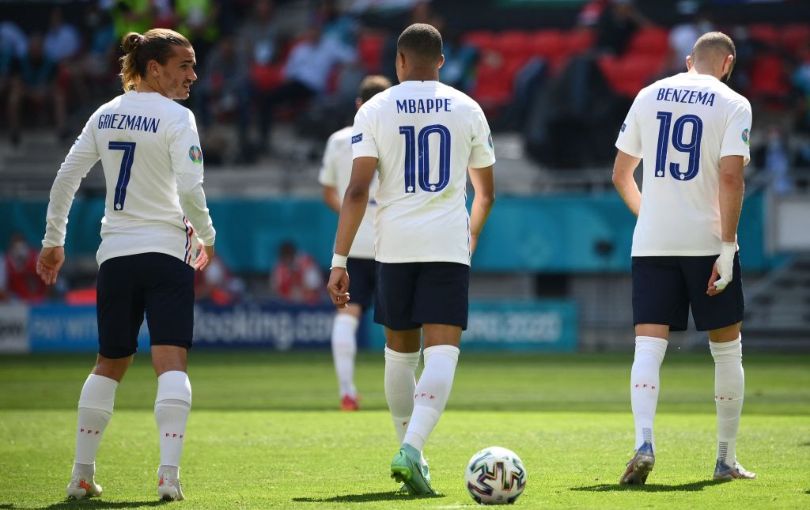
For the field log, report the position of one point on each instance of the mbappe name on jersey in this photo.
(685, 96)
(131, 122)
(432, 105)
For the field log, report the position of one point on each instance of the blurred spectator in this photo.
(131, 16)
(616, 25)
(197, 20)
(296, 277)
(458, 70)
(62, 40)
(801, 82)
(224, 89)
(13, 46)
(20, 267)
(216, 284)
(306, 74)
(34, 80)
(777, 162)
(590, 13)
(682, 37)
(96, 65)
(336, 25)
(259, 35)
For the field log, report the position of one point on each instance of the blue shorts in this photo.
(416, 293)
(362, 280)
(159, 285)
(664, 288)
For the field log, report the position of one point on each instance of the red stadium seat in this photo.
(513, 43)
(795, 37)
(579, 40)
(480, 39)
(768, 77)
(764, 33)
(650, 41)
(370, 47)
(628, 75)
(549, 44)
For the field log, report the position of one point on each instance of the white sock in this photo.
(432, 392)
(95, 410)
(400, 384)
(644, 385)
(172, 406)
(344, 347)
(729, 389)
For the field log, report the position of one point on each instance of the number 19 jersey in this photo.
(425, 136)
(681, 126)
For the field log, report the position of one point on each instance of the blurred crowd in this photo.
(299, 62)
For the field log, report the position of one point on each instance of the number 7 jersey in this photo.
(681, 126)
(153, 167)
(425, 136)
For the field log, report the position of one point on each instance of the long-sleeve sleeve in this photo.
(81, 158)
(187, 163)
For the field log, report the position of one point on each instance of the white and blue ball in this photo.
(495, 476)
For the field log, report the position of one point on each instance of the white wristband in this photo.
(339, 261)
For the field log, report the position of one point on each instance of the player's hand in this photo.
(338, 286)
(49, 263)
(204, 257)
(723, 269)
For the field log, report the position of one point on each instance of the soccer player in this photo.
(155, 206)
(422, 137)
(692, 132)
(334, 177)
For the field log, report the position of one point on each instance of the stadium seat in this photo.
(579, 40)
(650, 41)
(765, 34)
(481, 39)
(768, 77)
(370, 47)
(549, 44)
(630, 74)
(795, 37)
(513, 44)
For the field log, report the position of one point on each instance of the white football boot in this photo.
(169, 488)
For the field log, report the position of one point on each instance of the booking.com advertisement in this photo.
(548, 325)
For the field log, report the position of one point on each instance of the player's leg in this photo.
(659, 304)
(170, 317)
(119, 315)
(344, 349)
(721, 315)
(401, 361)
(344, 329)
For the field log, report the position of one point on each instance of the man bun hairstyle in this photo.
(422, 42)
(373, 85)
(139, 49)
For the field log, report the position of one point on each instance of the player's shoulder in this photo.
(731, 96)
(459, 97)
(341, 135)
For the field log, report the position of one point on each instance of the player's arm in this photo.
(331, 198)
(81, 158)
(732, 189)
(187, 163)
(483, 183)
(352, 210)
(623, 169)
(734, 155)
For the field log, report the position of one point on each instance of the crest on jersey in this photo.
(745, 136)
(195, 154)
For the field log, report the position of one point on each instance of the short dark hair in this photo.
(422, 41)
(372, 85)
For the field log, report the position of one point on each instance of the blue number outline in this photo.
(692, 147)
(422, 144)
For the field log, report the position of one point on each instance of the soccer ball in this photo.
(495, 476)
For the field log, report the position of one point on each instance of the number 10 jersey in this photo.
(425, 136)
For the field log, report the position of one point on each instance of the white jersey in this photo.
(425, 135)
(150, 151)
(336, 172)
(681, 126)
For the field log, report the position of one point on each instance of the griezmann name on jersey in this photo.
(425, 136)
(153, 167)
(681, 126)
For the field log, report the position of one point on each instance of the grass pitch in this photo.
(265, 433)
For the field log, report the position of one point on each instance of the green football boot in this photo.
(409, 468)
